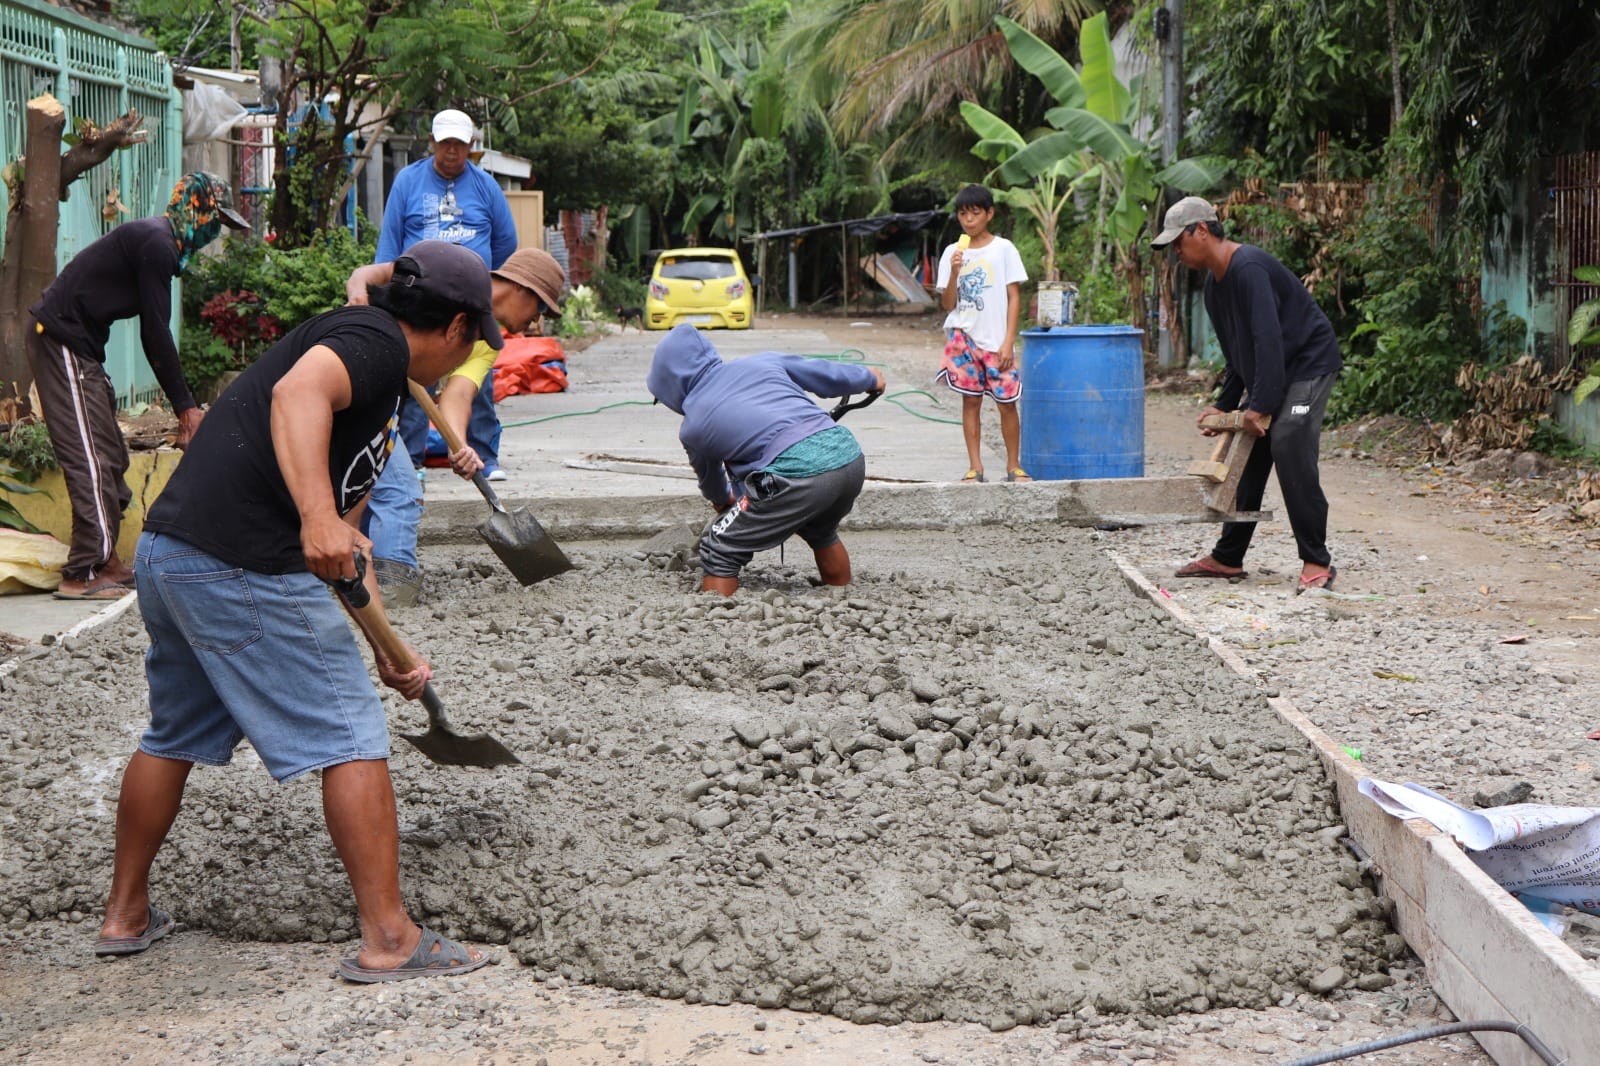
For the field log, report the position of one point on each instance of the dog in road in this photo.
(630, 314)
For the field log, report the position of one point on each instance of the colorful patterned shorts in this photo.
(972, 371)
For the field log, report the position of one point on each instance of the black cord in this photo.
(1536, 1045)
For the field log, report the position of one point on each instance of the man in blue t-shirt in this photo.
(1282, 360)
(444, 197)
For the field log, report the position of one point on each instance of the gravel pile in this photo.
(991, 785)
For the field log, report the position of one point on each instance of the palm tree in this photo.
(901, 67)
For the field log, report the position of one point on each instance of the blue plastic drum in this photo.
(1082, 405)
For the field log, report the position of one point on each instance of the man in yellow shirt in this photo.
(526, 288)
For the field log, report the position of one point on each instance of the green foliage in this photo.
(1274, 75)
(26, 452)
(306, 281)
(205, 356)
(1416, 325)
(615, 288)
(1581, 331)
(10, 517)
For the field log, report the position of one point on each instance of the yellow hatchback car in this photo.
(706, 287)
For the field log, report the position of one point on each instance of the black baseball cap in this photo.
(454, 276)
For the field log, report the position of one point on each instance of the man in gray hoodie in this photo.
(770, 461)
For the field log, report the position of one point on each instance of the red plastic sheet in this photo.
(529, 364)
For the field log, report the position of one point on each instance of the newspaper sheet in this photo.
(1552, 853)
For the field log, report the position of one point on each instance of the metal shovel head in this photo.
(520, 541)
(443, 745)
(453, 749)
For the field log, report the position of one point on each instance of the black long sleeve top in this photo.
(126, 273)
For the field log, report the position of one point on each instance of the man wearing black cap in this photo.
(527, 288)
(1282, 360)
(125, 274)
(246, 642)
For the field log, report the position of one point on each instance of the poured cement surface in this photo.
(996, 788)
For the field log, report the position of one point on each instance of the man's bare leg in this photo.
(358, 804)
(833, 563)
(152, 792)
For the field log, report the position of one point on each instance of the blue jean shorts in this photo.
(237, 655)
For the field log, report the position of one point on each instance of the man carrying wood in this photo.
(1282, 359)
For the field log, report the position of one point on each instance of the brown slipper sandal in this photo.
(1197, 569)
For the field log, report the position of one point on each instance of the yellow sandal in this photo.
(973, 476)
(1016, 473)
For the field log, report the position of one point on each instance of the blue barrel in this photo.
(1083, 402)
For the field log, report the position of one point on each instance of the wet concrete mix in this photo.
(988, 782)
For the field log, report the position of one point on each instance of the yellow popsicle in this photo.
(963, 241)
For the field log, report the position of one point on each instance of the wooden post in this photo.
(28, 264)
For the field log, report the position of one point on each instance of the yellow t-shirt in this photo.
(477, 365)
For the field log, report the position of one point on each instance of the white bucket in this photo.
(1055, 303)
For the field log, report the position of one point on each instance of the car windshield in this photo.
(698, 268)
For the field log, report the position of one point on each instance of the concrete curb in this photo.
(928, 505)
(1487, 956)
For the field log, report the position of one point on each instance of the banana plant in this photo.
(1581, 330)
(1090, 140)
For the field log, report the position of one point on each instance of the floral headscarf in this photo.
(195, 212)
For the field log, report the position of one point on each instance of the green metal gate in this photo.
(97, 73)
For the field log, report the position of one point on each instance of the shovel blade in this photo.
(520, 541)
(452, 749)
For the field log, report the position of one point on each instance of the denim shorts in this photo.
(237, 655)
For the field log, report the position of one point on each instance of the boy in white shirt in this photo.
(980, 284)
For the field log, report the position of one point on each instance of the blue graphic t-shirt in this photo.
(469, 210)
(980, 309)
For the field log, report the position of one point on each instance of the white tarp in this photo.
(1551, 853)
(209, 113)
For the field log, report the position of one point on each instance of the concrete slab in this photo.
(1488, 958)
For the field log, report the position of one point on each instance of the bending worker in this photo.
(526, 288)
(125, 274)
(770, 460)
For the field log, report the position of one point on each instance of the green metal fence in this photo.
(97, 73)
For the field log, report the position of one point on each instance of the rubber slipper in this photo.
(974, 475)
(1016, 473)
(1194, 569)
(1325, 579)
(159, 925)
(436, 956)
(102, 590)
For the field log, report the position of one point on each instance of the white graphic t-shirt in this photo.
(980, 309)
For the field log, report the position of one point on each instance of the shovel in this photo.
(516, 536)
(440, 743)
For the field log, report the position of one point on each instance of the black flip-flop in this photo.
(435, 956)
(160, 924)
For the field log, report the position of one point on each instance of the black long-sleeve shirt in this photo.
(127, 272)
(1271, 331)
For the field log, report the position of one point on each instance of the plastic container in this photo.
(1082, 405)
(1056, 300)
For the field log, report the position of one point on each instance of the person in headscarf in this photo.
(125, 274)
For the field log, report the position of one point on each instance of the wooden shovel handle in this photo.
(420, 394)
(375, 621)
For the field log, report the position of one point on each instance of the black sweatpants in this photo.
(1291, 445)
(80, 411)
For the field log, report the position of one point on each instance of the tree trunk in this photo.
(28, 264)
(1394, 66)
(95, 146)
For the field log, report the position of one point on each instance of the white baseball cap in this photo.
(453, 125)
